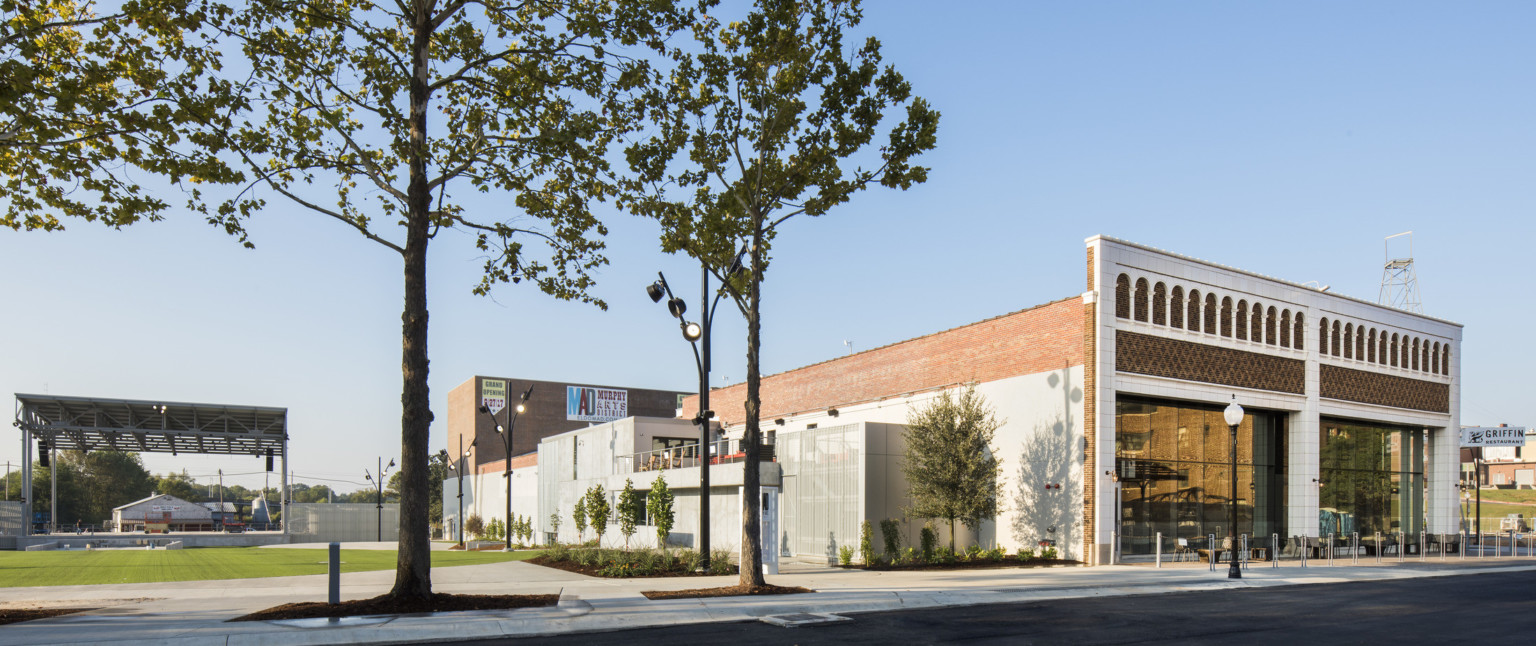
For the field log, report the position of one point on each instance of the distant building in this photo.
(163, 512)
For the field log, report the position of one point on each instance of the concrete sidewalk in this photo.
(196, 612)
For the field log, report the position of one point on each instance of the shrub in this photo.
(942, 555)
(597, 510)
(659, 508)
(995, 554)
(688, 560)
(890, 533)
(1048, 554)
(474, 525)
(1026, 554)
(557, 553)
(845, 555)
(495, 530)
(973, 552)
(579, 514)
(867, 543)
(929, 540)
(721, 562)
(910, 555)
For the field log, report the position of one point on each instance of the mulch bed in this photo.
(17, 615)
(385, 605)
(1008, 562)
(592, 570)
(728, 591)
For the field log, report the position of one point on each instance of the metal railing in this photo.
(726, 451)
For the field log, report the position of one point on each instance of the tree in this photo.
(85, 98)
(180, 485)
(579, 514)
(598, 510)
(949, 464)
(554, 525)
(659, 507)
(474, 525)
(530, 95)
(777, 119)
(109, 479)
(630, 508)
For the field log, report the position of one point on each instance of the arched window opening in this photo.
(1360, 343)
(1242, 320)
(1370, 346)
(1301, 331)
(1123, 296)
(1192, 317)
(1210, 313)
(1269, 326)
(1141, 300)
(1381, 357)
(1226, 316)
(1322, 336)
(1416, 363)
(1393, 363)
(1349, 340)
(1256, 324)
(1176, 307)
(1159, 304)
(1285, 328)
(1333, 341)
(1434, 359)
(1445, 359)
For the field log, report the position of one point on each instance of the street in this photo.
(1478, 608)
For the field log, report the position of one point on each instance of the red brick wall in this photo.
(1024, 342)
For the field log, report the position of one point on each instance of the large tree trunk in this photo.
(413, 573)
(751, 516)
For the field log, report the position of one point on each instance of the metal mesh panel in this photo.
(12, 520)
(821, 493)
(325, 522)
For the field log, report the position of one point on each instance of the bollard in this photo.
(1422, 544)
(1466, 542)
(1212, 551)
(1378, 547)
(1304, 550)
(1243, 559)
(1274, 550)
(1158, 550)
(1354, 548)
(335, 571)
(1402, 545)
(1330, 549)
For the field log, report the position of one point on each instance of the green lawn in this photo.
(1510, 495)
(22, 569)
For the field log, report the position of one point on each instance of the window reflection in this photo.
(1372, 479)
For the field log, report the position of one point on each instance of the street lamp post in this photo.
(464, 455)
(506, 436)
(1233, 415)
(697, 335)
(378, 485)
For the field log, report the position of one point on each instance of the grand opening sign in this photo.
(493, 394)
(595, 404)
(1493, 436)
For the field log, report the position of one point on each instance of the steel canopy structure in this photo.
(134, 426)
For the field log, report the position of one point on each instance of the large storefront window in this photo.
(1372, 479)
(1173, 460)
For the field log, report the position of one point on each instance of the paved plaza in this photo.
(196, 612)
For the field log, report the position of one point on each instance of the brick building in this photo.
(1112, 400)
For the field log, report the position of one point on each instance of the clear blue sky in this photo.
(1282, 138)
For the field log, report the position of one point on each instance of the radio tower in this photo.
(1399, 282)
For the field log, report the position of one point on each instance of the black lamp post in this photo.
(378, 485)
(464, 454)
(1233, 416)
(506, 437)
(695, 334)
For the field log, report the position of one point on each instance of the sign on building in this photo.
(595, 404)
(493, 394)
(1493, 436)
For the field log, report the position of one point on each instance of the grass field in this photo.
(23, 569)
(1510, 495)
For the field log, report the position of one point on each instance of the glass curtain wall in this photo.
(1173, 460)
(1372, 480)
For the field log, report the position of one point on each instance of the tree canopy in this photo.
(951, 469)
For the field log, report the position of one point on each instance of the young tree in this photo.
(579, 514)
(949, 463)
(658, 506)
(554, 525)
(777, 119)
(598, 510)
(90, 101)
(630, 506)
(527, 98)
(474, 525)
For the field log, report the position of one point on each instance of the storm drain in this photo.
(799, 619)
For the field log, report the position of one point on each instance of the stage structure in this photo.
(51, 423)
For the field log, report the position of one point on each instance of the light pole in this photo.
(1233, 416)
(378, 485)
(506, 436)
(464, 455)
(695, 333)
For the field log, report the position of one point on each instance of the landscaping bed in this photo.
(728, 591)
(385, 605)
(981, 564)
(18, 615)
(610, 563)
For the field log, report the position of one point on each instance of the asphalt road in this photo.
(1498, 608)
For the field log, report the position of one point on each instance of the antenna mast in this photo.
(1399, 282)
